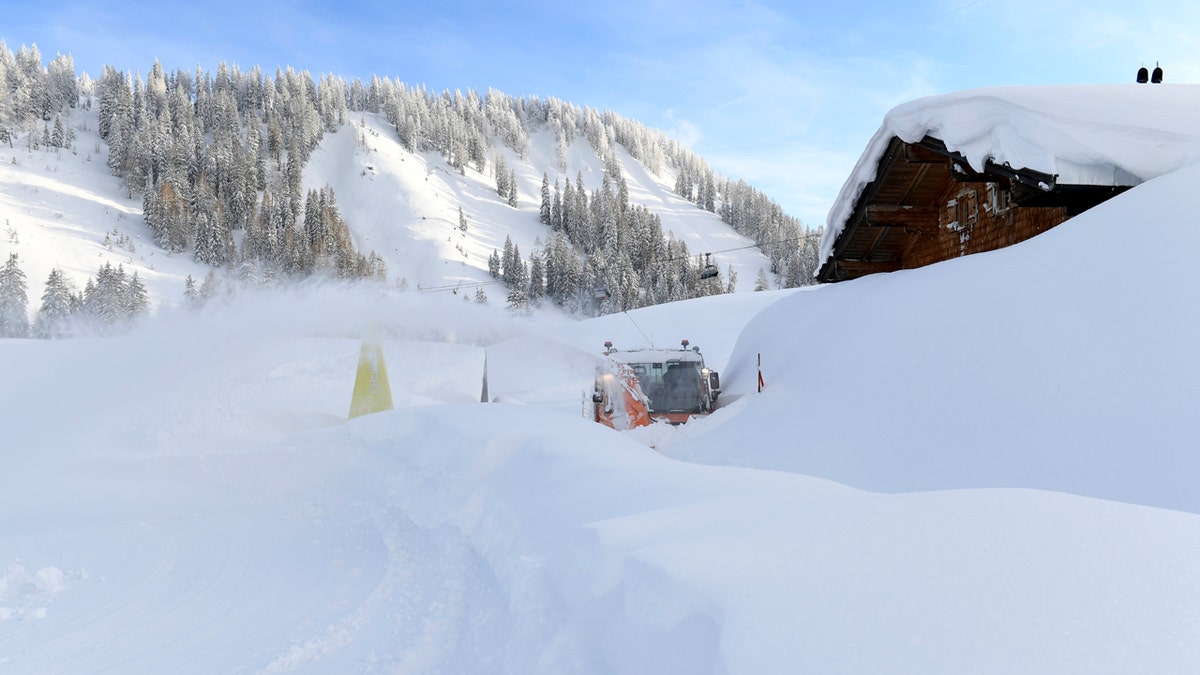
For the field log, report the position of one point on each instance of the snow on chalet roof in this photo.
(1121, 134)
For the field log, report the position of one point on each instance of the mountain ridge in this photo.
(234, 113)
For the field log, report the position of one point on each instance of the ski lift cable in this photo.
(805, 237)
(635, 325)
(479, 284)
(467, 285)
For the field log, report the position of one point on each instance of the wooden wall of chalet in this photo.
(977, 217)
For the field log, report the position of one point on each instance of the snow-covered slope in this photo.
(191, 498)
(63, 208)
(405, 206)
(1065, 363)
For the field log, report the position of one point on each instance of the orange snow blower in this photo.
(638, 386)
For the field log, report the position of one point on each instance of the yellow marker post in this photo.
(484, 397)
(372, 393)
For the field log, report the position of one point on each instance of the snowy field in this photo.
(207, 507)
(986, 465)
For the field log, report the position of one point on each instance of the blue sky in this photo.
(783, 94)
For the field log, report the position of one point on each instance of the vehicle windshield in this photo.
(673, 386)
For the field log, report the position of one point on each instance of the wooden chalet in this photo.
(927, 204)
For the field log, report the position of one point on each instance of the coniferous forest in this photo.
(214, 154)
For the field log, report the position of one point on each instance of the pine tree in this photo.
(562, 272)
(516, 275)
(56, 308)
(168, 215)
(14, 312)
(512, 189)
(518, 299)
(58, 136)
(761, 283)
(137, 300)
(537, 278)
(556, 219)
(545, 211)
(209, 287)
(214, 240)
(506, 258)
(568, 209)
(501, 176)
(191, 296)
(377, 267)
(314, 222)
(494, 264)
(104, 300)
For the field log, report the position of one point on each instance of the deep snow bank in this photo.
(1067, 362)
(212, 494)
(612, 558)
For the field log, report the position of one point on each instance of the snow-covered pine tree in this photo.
(256, 152)
(58, 135)
(761, 283)
(214, 240)
(544, 213)
(506, 258)
(501, 169)
(556, 221)
(494, 264)
(168, 215)
(314, 222)
(567, 210)
(14, 302)
(55, 312)
(137, 299)
(377, 266)
(209, 287)
(537, 278)
(104, 299)
(191, 295)
(515, 275)
(518, 300)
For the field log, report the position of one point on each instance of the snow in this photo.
(654, 355)
(405, 206)
(58, 206)
(1117, 135)
(1042, 365)
(983, 465)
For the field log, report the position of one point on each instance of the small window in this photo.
(999, 198)
(965, 208)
